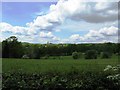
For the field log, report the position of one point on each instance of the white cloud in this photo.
(111, 31)
(46, 35)
(109, 34)
(102, 5)
(101, 35)
(75, 37)
(5, 27)
(96, 12)
(77, 10)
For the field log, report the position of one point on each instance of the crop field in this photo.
(62, 65)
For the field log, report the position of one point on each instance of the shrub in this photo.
(114, 74)
(105, 55)
(91, 54)
(46, 56)
(119, 53)
(56, 81)
(25, 57)
(80, 54)
(75, 55)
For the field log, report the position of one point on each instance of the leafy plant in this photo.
(25, 57)
(91, 54)
(105, 55)
(72, 80)
(75, 55)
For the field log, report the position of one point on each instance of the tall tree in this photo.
(11, 48)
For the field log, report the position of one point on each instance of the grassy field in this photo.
(65, 64)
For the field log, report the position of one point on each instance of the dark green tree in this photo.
(105, 55)
(91, 54)
(11, 48)
(75, 55)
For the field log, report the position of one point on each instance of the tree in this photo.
(0, 50)
(108, 47)
(75, 55)
(5, 49)
(36, 52)
(91, 54)
(11, 48)
(105, 55)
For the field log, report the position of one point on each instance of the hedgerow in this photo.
(54, 81)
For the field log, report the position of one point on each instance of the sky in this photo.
(61, 21)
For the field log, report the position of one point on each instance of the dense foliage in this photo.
(75, 55)
(91, 54)
(103, 80)
(105, 55)
(12, 48)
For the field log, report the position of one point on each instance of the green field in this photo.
(63, 65)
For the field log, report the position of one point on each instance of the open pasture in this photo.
(63, 65)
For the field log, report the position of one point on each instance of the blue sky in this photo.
(60, 22)
(19, 13)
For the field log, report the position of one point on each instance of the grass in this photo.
(63, 65)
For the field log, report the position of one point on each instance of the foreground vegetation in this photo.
(65, 73)
(55, 81)
(106, 79)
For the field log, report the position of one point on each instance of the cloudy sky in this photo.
(60, 21)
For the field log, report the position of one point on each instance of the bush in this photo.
(119, 53)
(75, 55)
(80, 54)
(105, 55)
(46, 57)
(25, 57)
(56, 81)
(91, 54)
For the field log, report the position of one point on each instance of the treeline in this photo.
(12, 48)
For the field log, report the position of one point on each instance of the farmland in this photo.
(60, 45)
(60, 66)
(65, 64)
(64, 73)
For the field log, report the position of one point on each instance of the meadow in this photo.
(63, 65)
